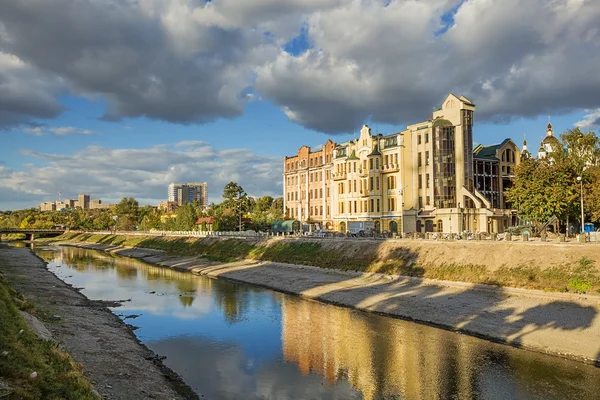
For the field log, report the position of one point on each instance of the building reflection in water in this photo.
(386, 358)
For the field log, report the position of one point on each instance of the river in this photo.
(235, 341)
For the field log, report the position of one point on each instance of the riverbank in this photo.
(562, 324)
(116, 363)
(551, 267)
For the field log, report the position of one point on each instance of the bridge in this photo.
(30, 233)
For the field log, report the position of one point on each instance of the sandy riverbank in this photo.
(562, 324)
(116, 363)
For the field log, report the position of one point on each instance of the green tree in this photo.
(235, 200)
(127, 212)
(186, 217)
(546, 187)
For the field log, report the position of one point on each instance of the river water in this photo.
(235, 341)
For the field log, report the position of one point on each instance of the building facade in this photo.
(426, 178)
(182, 193)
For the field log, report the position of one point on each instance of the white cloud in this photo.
(111, 174)
(390, 61)
(590, 120)
(58, 131)
(69, 130)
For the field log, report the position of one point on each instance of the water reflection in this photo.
(232, 341)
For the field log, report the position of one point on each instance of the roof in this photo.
(550, 140)
(208, 220)
(375, 151)
(441, 122)
(353, 156)
(489, 151)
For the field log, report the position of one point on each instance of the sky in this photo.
(119, 98)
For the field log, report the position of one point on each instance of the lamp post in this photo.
(580, 179)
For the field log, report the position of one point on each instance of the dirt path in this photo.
(561, 324)
(116, 363)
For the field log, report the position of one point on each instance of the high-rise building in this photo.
(182, 193)
(426, 178)
(84, 201)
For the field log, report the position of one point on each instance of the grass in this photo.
(58, 376)
(580, 277)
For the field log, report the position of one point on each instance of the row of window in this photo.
(363, 206)
(352, 166)
(312, 194)
(427, 181)
(292, 212)
(313, 162)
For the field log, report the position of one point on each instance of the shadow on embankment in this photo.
(486, 311)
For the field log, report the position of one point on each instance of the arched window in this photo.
(394, 227)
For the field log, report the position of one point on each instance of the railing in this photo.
(180, 233)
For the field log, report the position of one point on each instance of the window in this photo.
(371, 209)
(427, 158)
(428, 201)
(427, 182)
(420, 181)
(354, 166)
(321, 193)
(420, 202)
(377, 163)
(355, 185)
(377, 205)
(427, 138)
(419, 139)
(349, 186)
(370, 163)
(355, 208)
(377, 183)
(419, 161)
(386, 159)
(311, 176)
(371, 183)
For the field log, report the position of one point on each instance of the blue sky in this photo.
(133, 97)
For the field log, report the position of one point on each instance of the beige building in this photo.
(426, 178)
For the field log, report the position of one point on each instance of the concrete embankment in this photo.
(118, 366)
(563, 324)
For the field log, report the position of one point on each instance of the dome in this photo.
(552, 140)
(441, 122)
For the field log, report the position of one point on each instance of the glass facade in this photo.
(444, 181)
(467, 123)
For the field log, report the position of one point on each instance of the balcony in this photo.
(391, 167)
(338, 176)
(363, 173)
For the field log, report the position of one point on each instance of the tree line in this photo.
(547, 187)
(236, 211)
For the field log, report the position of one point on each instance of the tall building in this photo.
(182, 193)
(84, 201)
(426, 178)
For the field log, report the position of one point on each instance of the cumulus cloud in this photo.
(393, 61)
(591, 120)
(111, 174)
(390, 61)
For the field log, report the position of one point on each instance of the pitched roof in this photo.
(488, 151)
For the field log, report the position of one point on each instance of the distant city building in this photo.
(84, 201)
(169, 206)
(182, 193)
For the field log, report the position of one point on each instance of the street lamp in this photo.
(580, 180)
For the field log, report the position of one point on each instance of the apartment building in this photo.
(182, 193)
(308, 186)
(426, 178)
